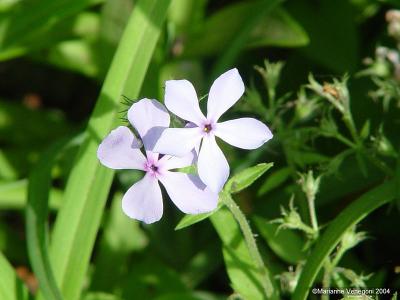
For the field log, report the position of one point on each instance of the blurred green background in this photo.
(54, 56)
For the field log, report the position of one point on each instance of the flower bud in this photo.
(309, 184)
(351, 238)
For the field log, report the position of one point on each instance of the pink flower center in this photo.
(152, 168)
(207, 128)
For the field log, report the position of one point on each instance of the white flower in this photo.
(246, 133)
(143, 201)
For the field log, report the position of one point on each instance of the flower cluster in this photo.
(167, 148)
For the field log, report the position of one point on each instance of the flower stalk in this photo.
(249, 239)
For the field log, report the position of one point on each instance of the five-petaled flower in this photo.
(143, 201)
(247, 133)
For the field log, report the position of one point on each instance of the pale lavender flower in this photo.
(246, 133)
(143, 201)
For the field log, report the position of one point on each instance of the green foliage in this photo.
(11, 287)
(246, 177)
(28, 25)
(347, 218)
(286, 244)
(77, 223)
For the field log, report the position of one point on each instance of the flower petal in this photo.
(178, 141)
(188, 194)
(181, 99)
(145, 115)
(212, 166)
(143, 201)
(225, 91)
(168, 162)
(245, 133)
(120, 150)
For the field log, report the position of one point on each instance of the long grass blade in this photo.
(87, 188)
(36, 222)
(353, 214)
(11, 288)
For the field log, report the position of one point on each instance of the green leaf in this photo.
(365, 129)
(78, 221)
(36, 221)
(13, 195)
(100, 296)
(246, 278)
(241, 35)
(245, 178)
(274, 180)
(11, 287)
(189, 220)
(115, 247)
(277, 28)
(29, 23)
(354, 213)
(285, 243)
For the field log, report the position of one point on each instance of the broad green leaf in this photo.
(79, 52)
(13, 195)
(246, 276)
(29, 23)
(185, 15)
(189, 220)
(11, 287)
(100, 296)
(36, 221)
(353, 214)
(7, 171)
(277, 28)
(285, 243)
(246, 177)
(274, 180)
(88, 185)
(75, 55)
(241, 35)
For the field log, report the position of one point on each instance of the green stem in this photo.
(349, 122)
(344, 140)
(248, 236)
(313, 216)
(326, 280)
